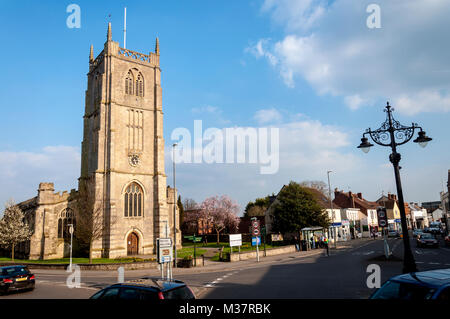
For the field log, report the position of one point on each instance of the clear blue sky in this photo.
(313, 69)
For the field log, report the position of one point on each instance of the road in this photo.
(290, 276)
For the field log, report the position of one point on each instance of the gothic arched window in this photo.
(140, 85)
(134, 199)
(65, 218)
(129, 83)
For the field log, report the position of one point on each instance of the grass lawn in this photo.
(189, 251)
(78, 260)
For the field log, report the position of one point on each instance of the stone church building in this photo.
(123, 157)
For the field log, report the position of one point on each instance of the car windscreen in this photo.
(13, 271)
(426, 236)
(400, 290)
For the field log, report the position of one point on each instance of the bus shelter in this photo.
(308, 234)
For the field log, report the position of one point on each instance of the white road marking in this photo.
(434, 263)
(63, 284)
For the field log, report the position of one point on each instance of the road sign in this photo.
(235, 240)
(382, 217)
(193, 238)
(165, 250)
(255, 228)
(256, 241)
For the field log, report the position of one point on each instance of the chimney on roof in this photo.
(336, 192)
(359, 195)
(352, 200)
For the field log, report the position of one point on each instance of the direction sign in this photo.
(165, 250)
(193, 238)
(165, 242)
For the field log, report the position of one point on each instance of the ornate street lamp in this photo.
(393, 134)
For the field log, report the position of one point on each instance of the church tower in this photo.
(123, 150)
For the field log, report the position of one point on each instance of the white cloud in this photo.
(330, 46)
(260, 50)
(266, 116)
(307, 149)
(294, 14)
(21, 172)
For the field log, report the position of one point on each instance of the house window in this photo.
(133, 201)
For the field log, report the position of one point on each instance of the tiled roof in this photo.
(323, 200)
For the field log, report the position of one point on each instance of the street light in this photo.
(393, 134)
(174, 208)
(71, 243)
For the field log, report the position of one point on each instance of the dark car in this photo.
(447, 240)
(432, 284)
(394, 233)
(427, 240)
(13, 278)
(417, 232)
(148, 288)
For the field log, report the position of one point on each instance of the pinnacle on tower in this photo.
(109, 34)
(91, 54)
(157, 46)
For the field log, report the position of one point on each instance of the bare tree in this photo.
(189, 203)
(319, 185)
(91, 222)
(13, 230)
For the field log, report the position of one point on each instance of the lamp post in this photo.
(393, 134)
(71, 243)
(332, 210)
(174, 209)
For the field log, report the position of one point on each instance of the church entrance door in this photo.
(132, 244)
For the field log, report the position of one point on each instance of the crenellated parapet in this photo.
(151, 58)
(48, 196)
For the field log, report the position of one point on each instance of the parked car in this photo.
(434, 230)
(147, 288)
(14, 278)
(417, 232)
(431, 284)
(393, 233)
(427, 240)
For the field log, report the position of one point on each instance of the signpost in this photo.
(383, 223)
(165, 255)
(194, 240)
(236, 240)
(256, 235)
